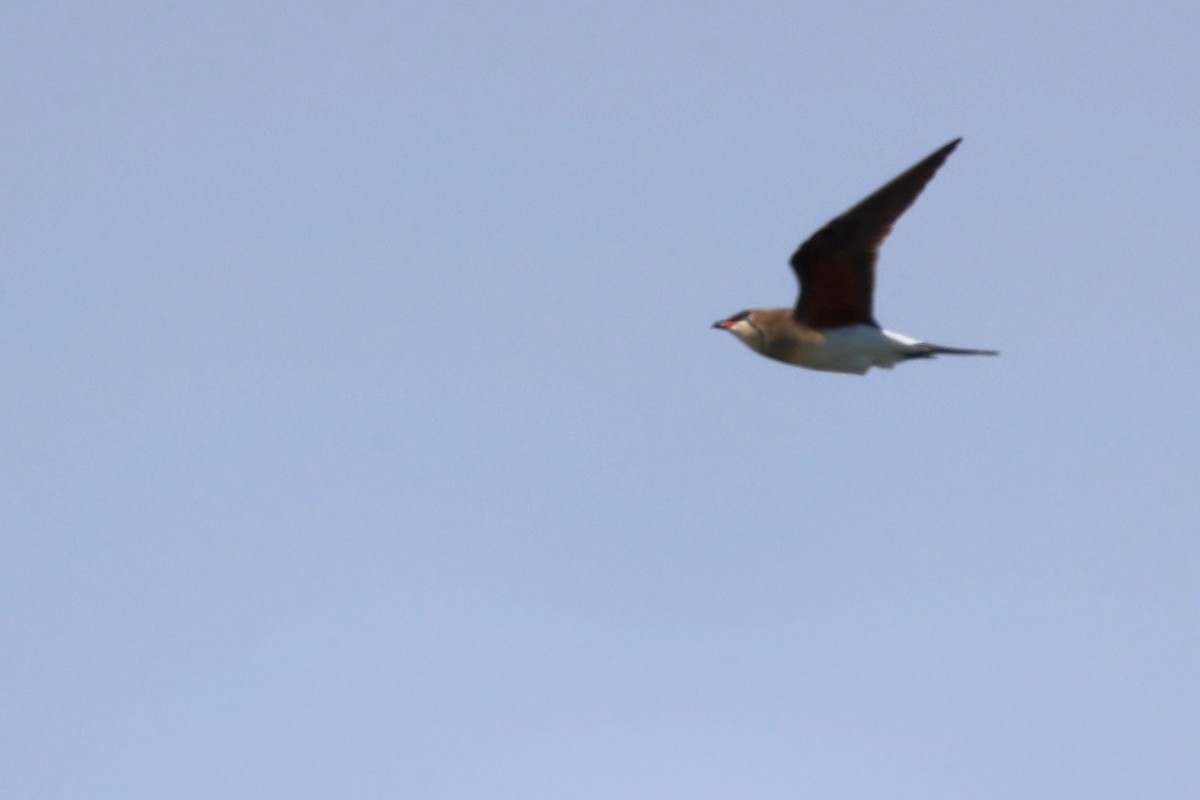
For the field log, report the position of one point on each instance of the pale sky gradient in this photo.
(364, 435)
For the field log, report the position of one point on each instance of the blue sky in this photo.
(365, 435)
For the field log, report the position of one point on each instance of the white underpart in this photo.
(857, 348)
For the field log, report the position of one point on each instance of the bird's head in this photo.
(744, 326)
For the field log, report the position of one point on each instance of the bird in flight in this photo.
(833, 327)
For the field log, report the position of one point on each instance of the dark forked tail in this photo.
(930, 350)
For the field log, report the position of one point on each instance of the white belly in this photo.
(855, 349)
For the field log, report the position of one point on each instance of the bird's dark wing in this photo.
(836, 266)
